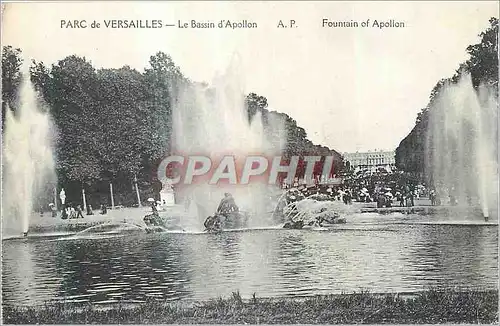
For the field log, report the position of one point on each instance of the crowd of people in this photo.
(384, 188)
(72, 211)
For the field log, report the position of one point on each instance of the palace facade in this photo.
(370, 158)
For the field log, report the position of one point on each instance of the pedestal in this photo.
(167, 196)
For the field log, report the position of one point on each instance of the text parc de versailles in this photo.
(156, 23)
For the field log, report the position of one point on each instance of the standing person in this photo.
(402, 199)
(89, 210)
(104, 209)
(340, 195)
(432, 197)
(72, 212)
(399, 198)
(79, 211)
(380, 200)
(349, 197)
(406, 190)
(53, 210)
(344, 197)
(409, 199)
(64, 212)
(41, 211)
(388, 199)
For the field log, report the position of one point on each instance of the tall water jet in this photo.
(213, 121)
(28, 159)
(462, 145)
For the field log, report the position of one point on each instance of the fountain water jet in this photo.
(28, 164)
(213, 121)
(462, 144)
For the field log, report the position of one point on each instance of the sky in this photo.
(352, 89)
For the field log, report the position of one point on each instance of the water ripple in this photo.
(393, 257)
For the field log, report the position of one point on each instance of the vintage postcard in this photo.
(250, 162)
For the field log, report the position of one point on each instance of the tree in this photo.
(11, 78)
(76, 110)
(164, 80)
(483, 61)
(412, 153)
(120, 95)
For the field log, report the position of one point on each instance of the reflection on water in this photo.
(463, 251)
(376, 256)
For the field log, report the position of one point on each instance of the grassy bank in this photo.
(426, 307)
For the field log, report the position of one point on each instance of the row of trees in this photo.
(482, 65)
(115, 125)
